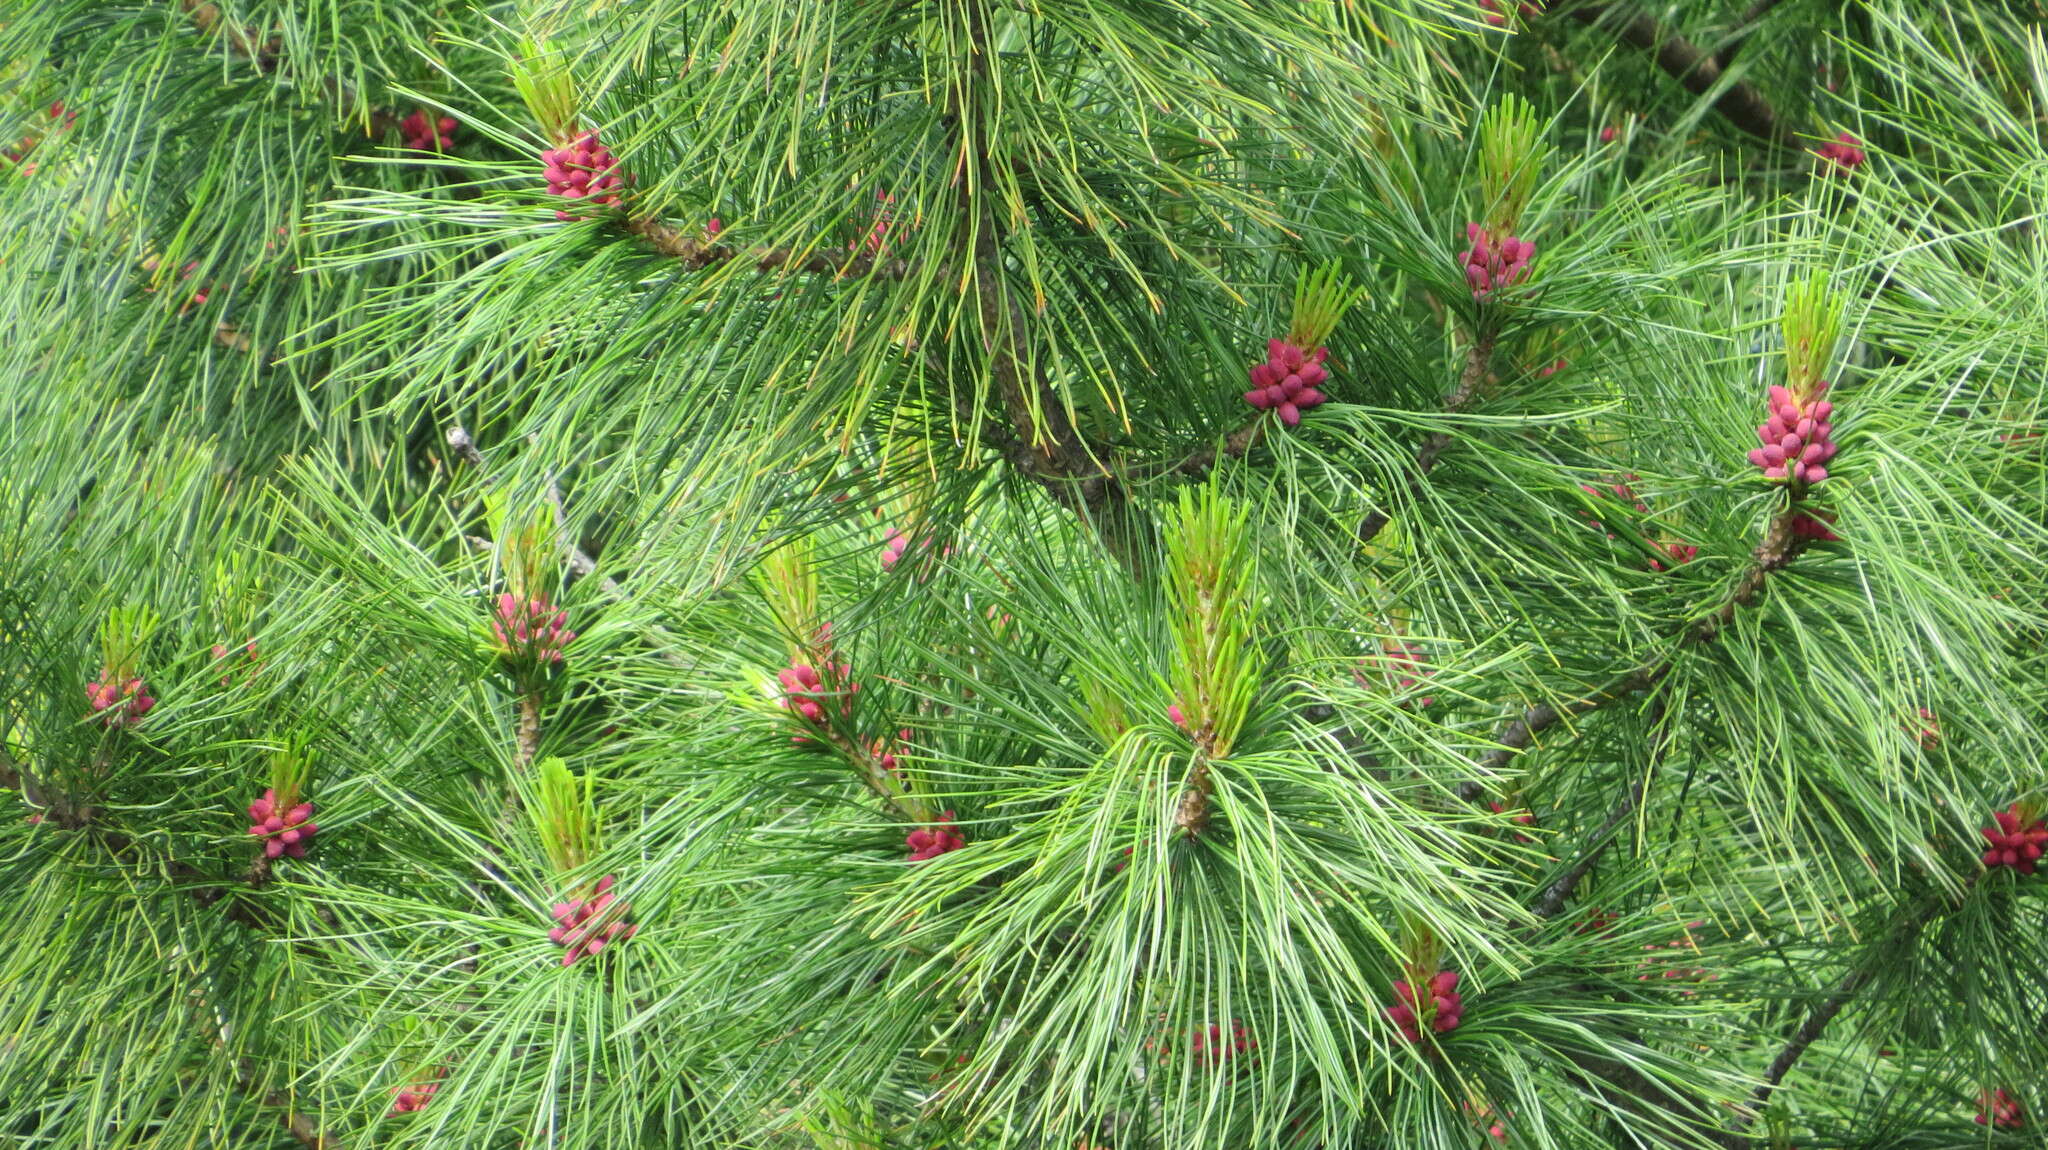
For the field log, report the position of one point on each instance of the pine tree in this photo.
(1075, 574)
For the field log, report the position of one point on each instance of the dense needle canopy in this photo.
(1116, 574)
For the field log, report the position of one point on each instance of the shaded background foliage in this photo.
(984, 288)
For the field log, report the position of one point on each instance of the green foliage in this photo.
(1504, 661)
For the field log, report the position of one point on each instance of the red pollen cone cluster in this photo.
(932, 841)
(582, 169)
(118, 704)
(1288, 381)
(197, 298)
(415, 1097)
(2015, 840)
(423, 134)
(1177, 716)
(586, 926)
(1678, 552)
(531, 628)
(1999, 1110)
(1670, 971)
(1523, 818)
(1600, 922)
(1210, 1048)
(1492, 263)
(1441, 1010)
(1797, 440)
(1495, 1129)
(282, 832)
(1496, 17)
(897, 546)
(1843, 155)
(806, 693)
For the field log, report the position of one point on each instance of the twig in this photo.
(1700, 73)
(1516, 735)
(1478, 362)
(1816, 1022)
(701, 250)
(465, 447)
(1192, 815)
(1560, 891)
(1049, 449)
(1743, 28)
(1234, 445)
(1779, 547)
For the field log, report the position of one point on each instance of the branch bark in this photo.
(1560, 891)
(1240, 440)
(1478, 363)
(699, 250)
(1824, 1012)
(1049, 448)
(1780, 546)
(1743, 28)
(1519, 732)
(1698, 71)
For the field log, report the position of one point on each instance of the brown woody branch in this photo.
(1240, 440)
(1697, 70)
(1743, 28)
(1478, 363)
(1049, 449)
(701, 250)
(1780, 546)
(1515, 737)
(1816, 1021)
(1560, 890)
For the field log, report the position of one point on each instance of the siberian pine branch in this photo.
(1478, 362)
(1780, 546)
(1519, 732)
(700, 250)
(1904, 930)
(1743, 29)
(67, 813)
(1240, 440)
(1562, 888)
(1049, 448)
(1700, 73)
